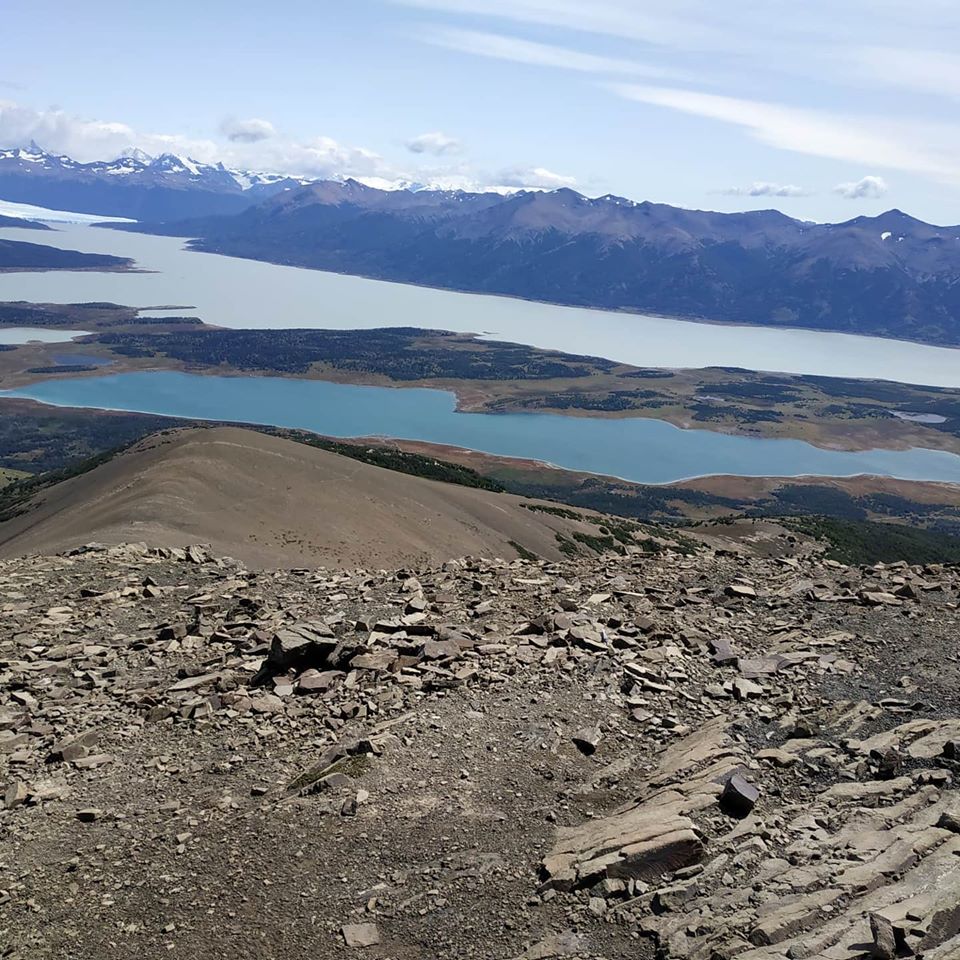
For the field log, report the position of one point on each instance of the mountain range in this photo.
(890, 275)
(135, 185)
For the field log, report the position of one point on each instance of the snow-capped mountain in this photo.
(134, 185)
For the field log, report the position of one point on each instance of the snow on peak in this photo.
(177, 163)
(135, 153)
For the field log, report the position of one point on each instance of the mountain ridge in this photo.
(134, 185)
(240, 490)
(891, 275)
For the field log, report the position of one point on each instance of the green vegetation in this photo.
(9, 476)
(38, 440)
(86, 316)
(599, 543)
(64, 368)
(610, 402)
(868, 542)
(159, 322)
(401, 353)
(15, 496)
(562, 512)
(567, 547)
(612, 534)
(389, 458)
(619, 498)
(19, 255)
(522, 551)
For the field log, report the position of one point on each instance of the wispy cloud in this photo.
(923, 71)
(763, 188)
(817, 133)
(685, 26)
(867, 188)
(727, 52)
(500, 47)
(435, 143)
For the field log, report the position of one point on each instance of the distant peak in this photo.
(135, 153)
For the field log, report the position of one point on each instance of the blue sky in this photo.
(825, 110)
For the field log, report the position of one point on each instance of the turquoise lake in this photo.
(645, 451)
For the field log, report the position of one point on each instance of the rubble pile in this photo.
(681, 756)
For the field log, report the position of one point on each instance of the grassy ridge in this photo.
(414, 464)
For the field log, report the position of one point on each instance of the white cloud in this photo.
(817, 133)
(247, 131)
(319, 157)
(500, 47)
(87, 140)
(867, 188)
(762, 188)
(435, 143)
(534, 177)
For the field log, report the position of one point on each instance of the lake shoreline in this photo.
(645, 451)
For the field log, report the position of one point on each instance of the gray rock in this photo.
(587, 739)
(884, 938)
(360, 934)
(739, 796)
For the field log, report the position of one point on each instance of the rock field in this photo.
(706, 756)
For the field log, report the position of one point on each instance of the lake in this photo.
(645, 451)
(244, 293)
(20, 335)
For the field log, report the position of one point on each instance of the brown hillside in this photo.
(274, 502)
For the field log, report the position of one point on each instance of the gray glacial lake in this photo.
(20, 335)
(645, 451)
(244, 293)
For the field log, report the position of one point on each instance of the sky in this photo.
(825, 109)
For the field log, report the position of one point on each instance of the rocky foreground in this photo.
(704, 756)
